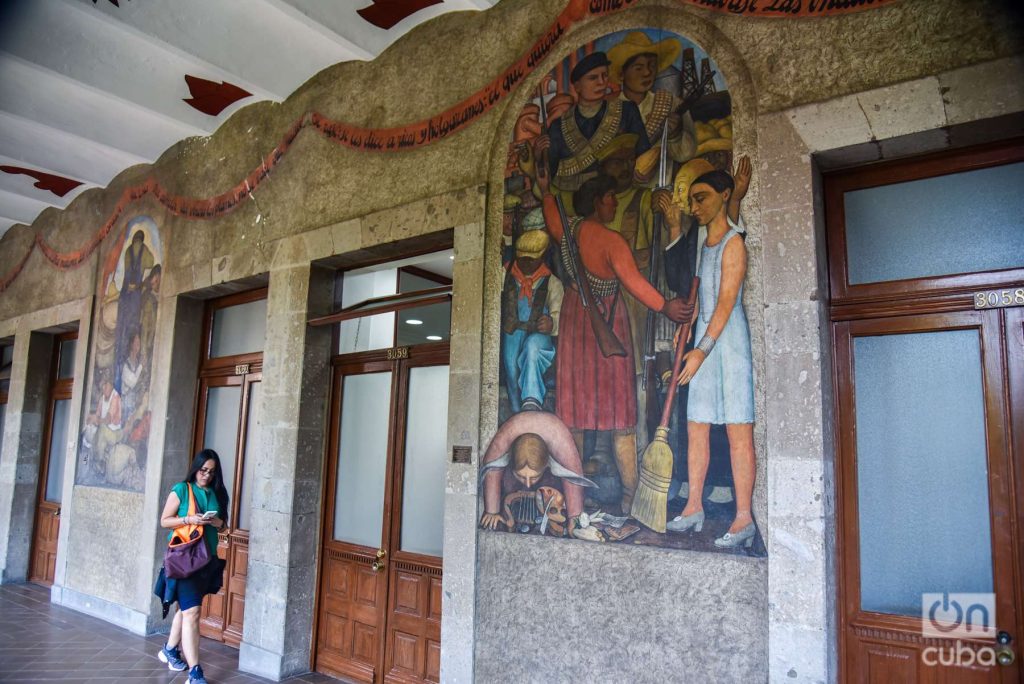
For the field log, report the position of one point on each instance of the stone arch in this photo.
(691, 26)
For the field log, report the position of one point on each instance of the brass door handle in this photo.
(1005, 656)
(378, 564)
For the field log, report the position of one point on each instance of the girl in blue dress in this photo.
(719, 368)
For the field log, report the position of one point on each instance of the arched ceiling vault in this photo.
(91, 87)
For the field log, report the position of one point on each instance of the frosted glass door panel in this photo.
(362, 458)
(66, 365)
(252, 436)
(961, 223)
(922, 482)
(223, 405)
(58, 450)
(366, 333)
(426, 447)
(239, 329)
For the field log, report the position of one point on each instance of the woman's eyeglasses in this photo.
(208, 471)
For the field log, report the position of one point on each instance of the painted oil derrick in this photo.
(705, 72)
(689, 73)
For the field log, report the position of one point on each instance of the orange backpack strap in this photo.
(183, 533)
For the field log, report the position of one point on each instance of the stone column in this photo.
(23, 440)
(75, 419)
(460, 501)
(172, 395)
(800, 532)
(286, 497)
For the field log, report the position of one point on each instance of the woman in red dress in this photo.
(598, 392)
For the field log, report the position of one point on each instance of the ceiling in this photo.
(91, 87)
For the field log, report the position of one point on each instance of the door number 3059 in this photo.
(995, 299)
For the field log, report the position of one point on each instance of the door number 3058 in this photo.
(995, 299)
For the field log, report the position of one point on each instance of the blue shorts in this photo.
(191, 590)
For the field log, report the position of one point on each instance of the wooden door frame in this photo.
(5, 392)
(1013, 336)
(937, 293)
(357, 363)
(438, 354)
(227, 371)
(1004, 538)
(898, 305)
(59, 389)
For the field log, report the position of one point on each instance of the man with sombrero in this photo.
(635, 64)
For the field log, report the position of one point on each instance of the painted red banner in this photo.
(787, 8)
(414, 135)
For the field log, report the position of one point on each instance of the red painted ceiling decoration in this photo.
(386, 13)
(211, 97)
(58, 185)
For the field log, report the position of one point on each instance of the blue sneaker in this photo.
(195, 675)
(172, 658)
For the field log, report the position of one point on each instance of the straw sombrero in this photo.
(637, 43)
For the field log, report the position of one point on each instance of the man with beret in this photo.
(531, 300)
(574, 141)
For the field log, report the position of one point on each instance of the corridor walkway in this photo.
(42, 642)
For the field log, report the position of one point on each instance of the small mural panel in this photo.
(626, 397)
(113, 444)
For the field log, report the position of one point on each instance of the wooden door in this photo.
(227, 421)
(923, 254)
(379, 601)
(229, 413)
(46, 528)
(885, 634)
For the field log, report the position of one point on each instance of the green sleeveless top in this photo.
(206, 500)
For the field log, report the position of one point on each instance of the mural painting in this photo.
(626, 397)
(113, 444)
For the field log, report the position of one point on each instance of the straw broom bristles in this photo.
(651, 502)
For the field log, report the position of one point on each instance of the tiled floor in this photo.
(43, 642)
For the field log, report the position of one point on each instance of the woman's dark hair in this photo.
(593, 189)
(218, 480)
(717, 179)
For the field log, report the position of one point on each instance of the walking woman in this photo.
(720, 367)
(207, 484)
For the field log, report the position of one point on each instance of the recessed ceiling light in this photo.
(452, 257)
(413, 321)
(434, 338)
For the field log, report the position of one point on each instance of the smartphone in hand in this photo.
(210, 515)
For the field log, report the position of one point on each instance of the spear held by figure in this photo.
(651, 502)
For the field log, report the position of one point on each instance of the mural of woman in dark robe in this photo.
(138, 260)
(114, 442)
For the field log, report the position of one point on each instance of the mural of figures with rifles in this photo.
(626, 395)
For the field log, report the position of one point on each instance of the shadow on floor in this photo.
(40, 641)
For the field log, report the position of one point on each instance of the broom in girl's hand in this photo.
(651, 502)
